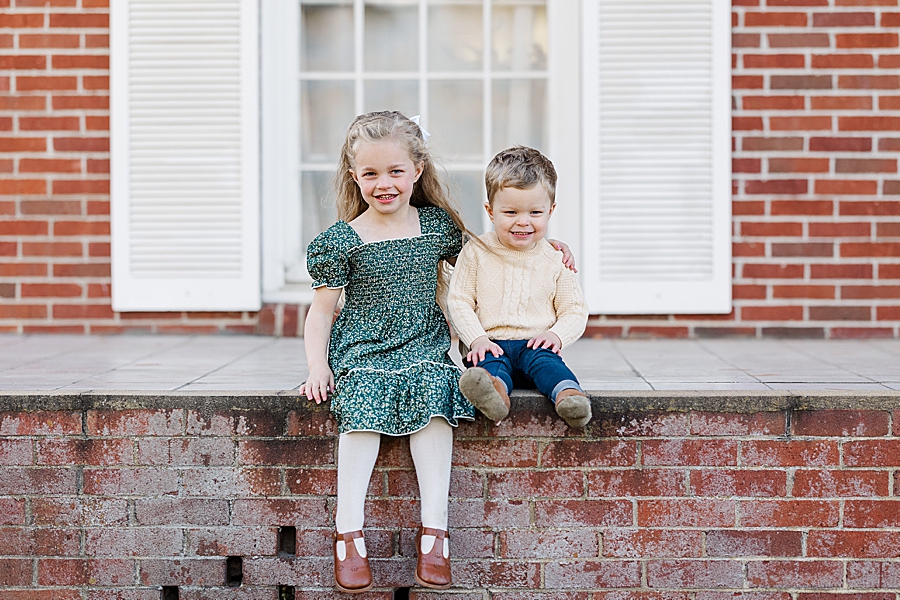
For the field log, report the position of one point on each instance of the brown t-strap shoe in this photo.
(432, 569)
(351, 575)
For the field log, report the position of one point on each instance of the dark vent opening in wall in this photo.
(285, 592)
(234, 571)
(169, 592)
(401, 594)
(287, 541)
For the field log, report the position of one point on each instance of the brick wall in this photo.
(816, 228)
(106, 503)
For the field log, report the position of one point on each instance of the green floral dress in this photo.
(388, 348)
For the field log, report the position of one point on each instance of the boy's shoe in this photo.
(486, 393)
(574, 407)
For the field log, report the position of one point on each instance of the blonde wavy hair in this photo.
(429, 190)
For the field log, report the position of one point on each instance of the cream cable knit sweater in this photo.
(514, 295)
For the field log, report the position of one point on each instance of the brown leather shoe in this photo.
(486, 393)
(351, 575)
(432, 569)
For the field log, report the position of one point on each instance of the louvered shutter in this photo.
(185, 154)
(657, 156)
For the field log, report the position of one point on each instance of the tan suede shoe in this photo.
(574, 407)
(486, 393)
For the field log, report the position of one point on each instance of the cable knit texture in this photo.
(515, 295)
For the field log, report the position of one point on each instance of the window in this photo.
(484, 75)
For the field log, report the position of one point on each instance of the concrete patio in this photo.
(235, 364)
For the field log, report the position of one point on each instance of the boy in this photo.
(514, 304)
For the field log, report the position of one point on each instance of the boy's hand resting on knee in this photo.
(319, 383)
(480, 347)
(547, 340)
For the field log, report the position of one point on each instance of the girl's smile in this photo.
(385, 174)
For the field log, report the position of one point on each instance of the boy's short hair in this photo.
(522, 168)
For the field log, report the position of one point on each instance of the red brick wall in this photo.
(112, 504)
(816, 188)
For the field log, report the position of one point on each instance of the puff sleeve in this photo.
(327, 261)
(453, 237)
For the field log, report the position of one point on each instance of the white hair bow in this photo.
(425, 134)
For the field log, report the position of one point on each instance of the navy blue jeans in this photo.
(524, 367)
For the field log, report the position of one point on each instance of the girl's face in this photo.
(385, 174)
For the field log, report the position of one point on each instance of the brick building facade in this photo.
(816, 187)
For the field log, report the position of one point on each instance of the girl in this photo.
(385, 356)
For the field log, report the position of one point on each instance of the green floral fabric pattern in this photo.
(389, 344)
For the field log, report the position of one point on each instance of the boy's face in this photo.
(520, 217)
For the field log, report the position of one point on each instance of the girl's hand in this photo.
(480, 347)
(568, 258)
(319, 383)
(547, 340)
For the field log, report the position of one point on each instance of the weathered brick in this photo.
(795, 453)
(536, 484)
(143, 541)
(873, 574)
(234, 541)
(583, 513)
(94, 452)
(186, 451)
(663, 543)
(830, 484)
(794, 574)
(694, 574)
(727, 483)
(872, 453)
(181, 511)
(636, 482)
(686, 513)
(854, 544)
(875, 514)
(480, 513)
(216, 481)
(690, 452)
(135, 422)
(83, 572)
(197, 571)
(130, 482)
(841, 423)
(68, 512)
(754, 543)
(602, 574)
(575, 453)
(550, 544)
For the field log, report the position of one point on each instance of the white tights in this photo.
(432, 454)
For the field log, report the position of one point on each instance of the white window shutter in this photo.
(657, 156)
(185, 155)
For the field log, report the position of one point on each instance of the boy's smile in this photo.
(520, 217)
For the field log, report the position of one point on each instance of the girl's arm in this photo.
(317, 334)
(568, 258)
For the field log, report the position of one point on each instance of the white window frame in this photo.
(280, 125)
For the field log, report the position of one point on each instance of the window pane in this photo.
(319, 212)
(454, 37)
(467, 189)
(455, 116)
(399, 95)
(392, 37)
(326, 36)
(519, 38)
(327, 109)
(519, 114)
